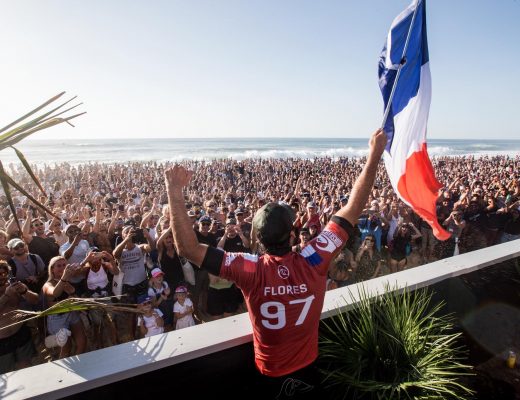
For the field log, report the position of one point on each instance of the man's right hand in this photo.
(377, 142)
(177, 176)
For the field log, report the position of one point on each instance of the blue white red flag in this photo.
(406, 156)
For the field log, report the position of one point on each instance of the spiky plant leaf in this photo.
(11, 182)
(29, 170)
(52, 99)
(7, 192)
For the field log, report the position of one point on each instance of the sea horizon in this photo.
(81, 151)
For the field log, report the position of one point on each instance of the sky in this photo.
(252, 68)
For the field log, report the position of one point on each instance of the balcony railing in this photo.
(95, 369)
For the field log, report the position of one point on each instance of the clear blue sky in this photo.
(197, 68)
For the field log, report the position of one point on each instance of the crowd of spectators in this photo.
(114, 219)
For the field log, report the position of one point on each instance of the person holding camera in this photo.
(98, 264)
(75, 251)
(26, 267)
(401, 247)
(131, 257)
(16, 345)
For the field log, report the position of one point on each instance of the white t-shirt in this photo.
(153, 293)
(79, 253)
(150, 324)
(187, 320)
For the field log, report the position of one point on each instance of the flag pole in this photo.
(401, 64)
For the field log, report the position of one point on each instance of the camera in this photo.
(13, 279)
(139, 236)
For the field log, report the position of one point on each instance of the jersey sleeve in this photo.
(237, 267)
(320, 251)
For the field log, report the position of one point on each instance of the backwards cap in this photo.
(273, 224)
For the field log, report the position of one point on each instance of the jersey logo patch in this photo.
(311, 256)
(328, 241)
(283, 272)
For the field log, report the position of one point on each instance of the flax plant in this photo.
(394, 346)
(23, 127)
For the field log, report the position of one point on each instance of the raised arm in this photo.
(184, 236)
(365, 181)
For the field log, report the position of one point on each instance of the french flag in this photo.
(406, 156)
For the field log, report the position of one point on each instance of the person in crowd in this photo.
(58, 287)
(131, 259)
(404, 235)
(75, 251)
(169, 260)
(342, 270)
(286, 340)
(150, 320)
(38, 241)
(305, 236)
(183, 309)
(368, 260)
(5, 253)
(161, 295)
(99, 265)
(26, 267)
(16, 345)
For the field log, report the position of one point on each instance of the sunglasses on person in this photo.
(205, 224)
(38, 224)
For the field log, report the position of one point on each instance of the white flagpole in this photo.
(401, 63)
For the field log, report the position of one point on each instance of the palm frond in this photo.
(51, 100)
(70, 305)
(12, 134)
(29, 170)
(11, 182)
(7, 192)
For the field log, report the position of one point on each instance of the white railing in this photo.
(97, 368)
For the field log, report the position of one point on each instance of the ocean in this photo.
(78, 151)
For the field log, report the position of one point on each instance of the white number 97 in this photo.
(279, 312)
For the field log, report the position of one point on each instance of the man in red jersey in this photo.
(284, 290)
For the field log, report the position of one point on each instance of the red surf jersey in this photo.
(284, 296)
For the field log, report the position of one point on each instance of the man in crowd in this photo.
(16, 344)
(38, 242)
(26, 267)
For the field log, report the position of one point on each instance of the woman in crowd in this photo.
(401, 248)
(368, 260)
(57, 288)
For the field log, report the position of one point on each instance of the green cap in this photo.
(273, 223)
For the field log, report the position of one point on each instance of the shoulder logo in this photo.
(328, 241)
(283, 272)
